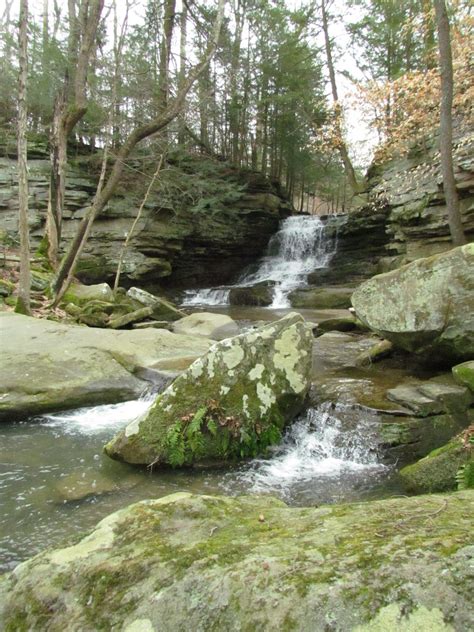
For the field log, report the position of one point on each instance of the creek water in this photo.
(55, 481)
(300, 246)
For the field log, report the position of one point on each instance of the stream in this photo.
(56, 482)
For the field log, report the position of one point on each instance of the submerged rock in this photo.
(425, 307)
(231, 403)
(201, 563)
(50, 366)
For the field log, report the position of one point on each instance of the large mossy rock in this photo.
(464, 374)
(426, 306)
(48, 366)
(440, 469)
(205, 563)
(231, 403)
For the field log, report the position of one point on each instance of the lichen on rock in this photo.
(231, 403)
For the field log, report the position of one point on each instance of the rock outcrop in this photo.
(405, 217)
(231, 403)
(205, 222)
(425, 307)
(49, 366)
(213, 563)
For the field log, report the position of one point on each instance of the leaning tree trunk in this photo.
(446, 125)
(23, 301)
(158, 124)
(70, 107)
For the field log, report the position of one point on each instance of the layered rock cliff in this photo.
(406, 216)
(204, 221)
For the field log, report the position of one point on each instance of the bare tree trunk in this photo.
(183, 22)
(446, 125)
(156, 125)
(70, 107)
(23, 300)
(165, 52)
(134, 225)
(348, 168)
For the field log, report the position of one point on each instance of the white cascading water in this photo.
(96, 419)
(329, 446)
(298, 248)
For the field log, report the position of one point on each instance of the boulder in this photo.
(425, 307)
(80, 294)
(161, 308)
(187, 562)
(464, 374)
(321, 298)
(215, 326)
(231, 403)
(438, 471)
(260, 295)
(49, 366)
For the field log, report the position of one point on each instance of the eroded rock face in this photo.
(48, 366)
(231, 403)
(174, 243)
(202, 563)
(425, 307)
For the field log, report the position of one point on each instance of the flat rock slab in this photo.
(208, 324)
(48, 366)
(187, 562)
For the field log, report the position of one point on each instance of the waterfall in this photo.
(330, 448)
(298, 248)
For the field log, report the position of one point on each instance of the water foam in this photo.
(298, 248)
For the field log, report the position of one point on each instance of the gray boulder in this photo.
(425, 307)
(231, 403)
(201, 563)
(215, 326)
(51, 366)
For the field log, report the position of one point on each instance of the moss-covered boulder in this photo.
(80, 294)
(231, 403)
(205, 563)
(464, 374)
(441, 469)
(161, 308)
(426, 306)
